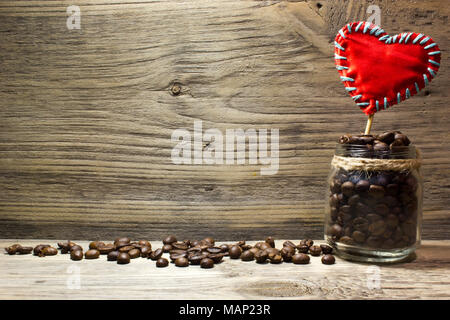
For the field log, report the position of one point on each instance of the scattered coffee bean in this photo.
(25, 250)
(300, 258)
(123, 258)
(209, 240)
(287, 253)
(261, 256)
(275, 259)
(113, 255)
(145, 251)
(302, 248)
(76, 255)
(307, 242)
(216, 257)
(270, 241)
(206, 263)
(134, 253)
(96, 244)
(182, 262)
(315, 250)
(75, 247)
(247, 255)
(162, 263)
(235, 252)
(328, 259)
(92, 254)
(121, 241)
(326, 249)
(155, 255)
(170, 240)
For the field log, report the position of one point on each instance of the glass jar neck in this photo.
(363, 151)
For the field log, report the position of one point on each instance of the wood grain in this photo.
(31, 277)
(86, 115)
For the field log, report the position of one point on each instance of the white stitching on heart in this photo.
(377, 31)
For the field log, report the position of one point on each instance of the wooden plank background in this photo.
(86, 115)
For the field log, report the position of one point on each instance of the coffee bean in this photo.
(134, 253)
(402, 138)
(92, 254)
(96, 244)
(76, 248)
(155, 255)
(335, 230)
(247, 255)
(276, 259)
(123, 258)
(122, 241)
(347, 240)
(126, 248)
(24, 250)
(373, 241)
(392, 221)
(145, 243)
(113, 255)
(287, 253)
(376, 191)
(362, 186)
(224, 248)
(216, 257)
(105, 248)
(377, 228)
(382, 209)
(182, 262)
(214, 250)
(359, 236)
(166, 248)
(170, 240)
(289, 244)
(195, 258)
(206, 263)
(37, 251)
(76, 255)
(328, 259)
(300, 258)
(307, 242)
(210, 240)
(315, 251)
(270, 241)
(11, 250)
(145, 251)
(348, 188)
(49, 251)
(387, 137)
(302, 248)
(261, 256)
(353, 200)
(177, 255)
(326, 249)
(235, 252)
(180, 245)
(162, 263)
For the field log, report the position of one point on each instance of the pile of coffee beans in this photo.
(382, 146)
(374, 209)
(204, 253)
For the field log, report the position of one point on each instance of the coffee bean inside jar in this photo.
(374, 199)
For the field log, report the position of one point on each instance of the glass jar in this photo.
(374, 203)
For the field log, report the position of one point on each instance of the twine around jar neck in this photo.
(366, 164)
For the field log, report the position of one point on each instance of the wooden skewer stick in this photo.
(369, 124)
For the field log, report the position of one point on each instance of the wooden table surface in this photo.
(31, 277)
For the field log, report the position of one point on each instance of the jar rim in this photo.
(362, 151)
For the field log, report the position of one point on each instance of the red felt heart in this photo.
(379, 70)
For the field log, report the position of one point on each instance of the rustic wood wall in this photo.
(86, 115)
